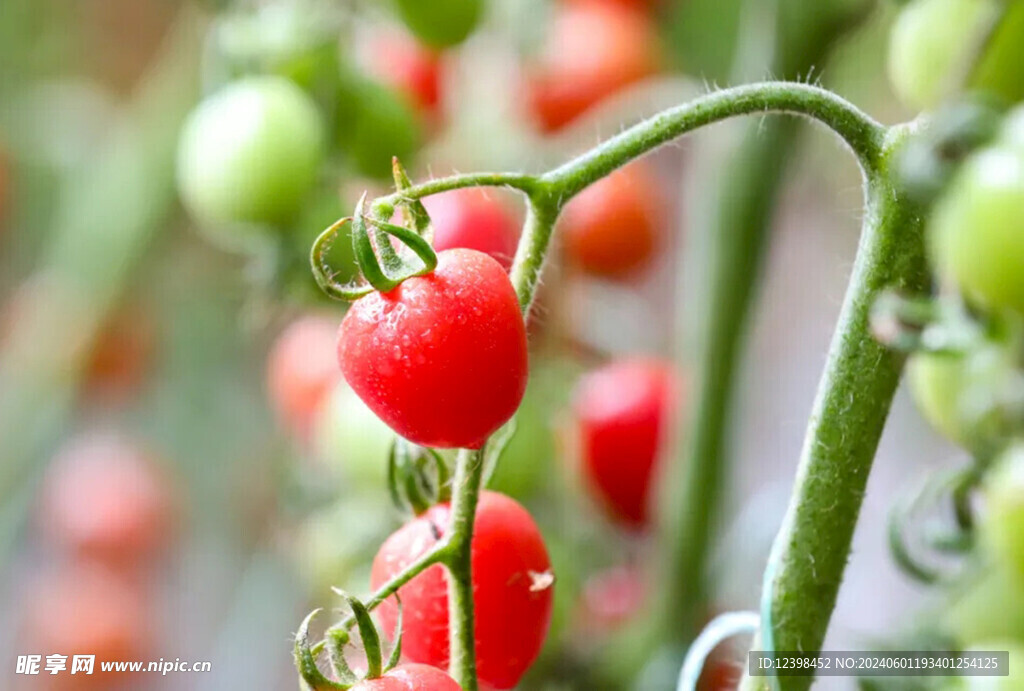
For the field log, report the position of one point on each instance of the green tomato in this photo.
(1002, 520)
(334, 547)
(998, 71)
(250, 153)
(991, 608)
(441, 23)
(376, 123)
(930, 42)
(976, 237)
(349, 437)
(936, 384)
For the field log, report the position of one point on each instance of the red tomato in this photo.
(512, 589)
(87, 610)
(475, 220)
(622, 412)
(410, 677)
(592, 50)
(612, 228)
(413, 69)
(611, 597)
(105, 499)
(301, 371)
(120, 355)
(442, 358)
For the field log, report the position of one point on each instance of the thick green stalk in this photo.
(860, 378)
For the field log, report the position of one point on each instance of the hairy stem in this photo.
(810, 552)
(466, 493)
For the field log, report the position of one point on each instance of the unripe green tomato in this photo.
(975, 236)
(441, 23)
(335, 546)
(991, 607)
(250, 152)
(348, 436)
(374, 124)
(936, 383)
(930, 43)
(1001, 525)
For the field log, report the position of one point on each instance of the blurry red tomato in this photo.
(476, 220)
(400, 61)
(302, 370)
(622, 411)
(593, 49)
(120, 355)
(105, 499)
(613, 227)
(87, 610)
(611, 597)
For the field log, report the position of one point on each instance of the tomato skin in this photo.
(442, 358)
(410, 677)
(107, 501)
(411, 68)
(622, 412)
(250, 152)
(937, 383)
(472, 219)
(441, 23)
(929, 42)
(612, 228)
(1002, 521)
(974, 234)
(301, 372)
(512, 602)
(592, 50)
(349, 437)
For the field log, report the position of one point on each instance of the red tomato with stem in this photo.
(612, 228)
(512, 589)
(622, 412)
(105, 499)
(592, 50)
(476, 220)
(442, 358)
(408, 66)
(410, 677)
(302, 371)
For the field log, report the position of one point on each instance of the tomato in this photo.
(87, 610)
(612, 228)
(410, 677)
(990, 606)
(592, 50)
(930, 43)
(105, 499)
(1002, 519)
(411, 68)
(120, 355)
(975, 236)
(375, 124)
(937, 383)
(301, 371)
(611, 597)
(476, 220)
(622, 412)
(512, 589)
(441, 23)
(250, 152)
(348, 436)
(442, 358)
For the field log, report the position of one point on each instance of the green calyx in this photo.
(418, 477)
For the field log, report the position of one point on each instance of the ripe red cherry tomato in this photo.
(410, 677)
(612, 228)
(87, 610)
(512, 589)
(592, 50)
(302, 371)
(474, 220)
(105, 499)
(611, 597)
(408, 66)
(622, 412)
(442, 358)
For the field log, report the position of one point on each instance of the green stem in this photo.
(466, 493)
(812, 547)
